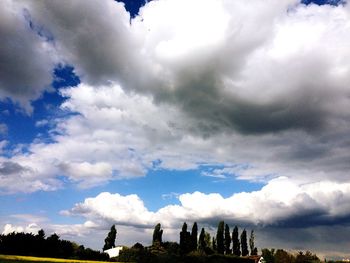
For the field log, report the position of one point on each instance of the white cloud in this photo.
(41, 123)
(3, 129)
(31, 228)
(115, 208)
(96, 173)
(3, 145)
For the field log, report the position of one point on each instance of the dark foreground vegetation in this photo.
(194, 247)
(28, 244)
(281, 256)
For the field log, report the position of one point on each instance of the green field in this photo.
(25, 259)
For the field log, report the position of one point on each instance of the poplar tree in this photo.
(227, 240)
(253, 249)
(236, 246)
(194, 235)
(157, 235)
(110, 239)
(202, 245)
(220, 247)
(185, 240)
(244, 244)
(208, 240)
(213, 242)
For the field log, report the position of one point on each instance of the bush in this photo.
(37, 245)
(135, 254)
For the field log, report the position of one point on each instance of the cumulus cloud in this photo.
(31, 228)
(281, 203)
(114, 208)
(308, 212)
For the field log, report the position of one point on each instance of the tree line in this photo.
(29, 244)
(282, 256)
(224, 246)
(224, 243)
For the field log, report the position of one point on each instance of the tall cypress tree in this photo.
(227, 240)
(244, 244)
(201, 241)
(194, 235)
(236, 247)
(157, 235)
(253, 249)
(220, 247)
(110, 239)
(213, 243)
(185, 240)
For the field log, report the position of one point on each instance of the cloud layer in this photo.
(255, 86)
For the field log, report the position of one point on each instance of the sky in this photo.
(136, 113)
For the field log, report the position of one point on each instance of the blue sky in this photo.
(114, 115)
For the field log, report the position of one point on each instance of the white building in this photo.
(113, 252)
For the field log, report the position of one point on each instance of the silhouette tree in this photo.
(268, 255)
(227, 240)
(208, 239)
(185, 240)
(282, 256)
(214, 245)
(28, 244)
(244, 245)
(157, 235)
(236, 250)
(253, 249)
(41, 234)
(110, 239)
(220, 238)
(202, 245)
(307, 257)
(194, 235)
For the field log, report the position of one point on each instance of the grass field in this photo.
(25, 259)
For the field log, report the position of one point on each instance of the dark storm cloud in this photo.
(328, 242)
(218, 113)
(9, 168)
(25, 59)
(93, 36)
(316, 217)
